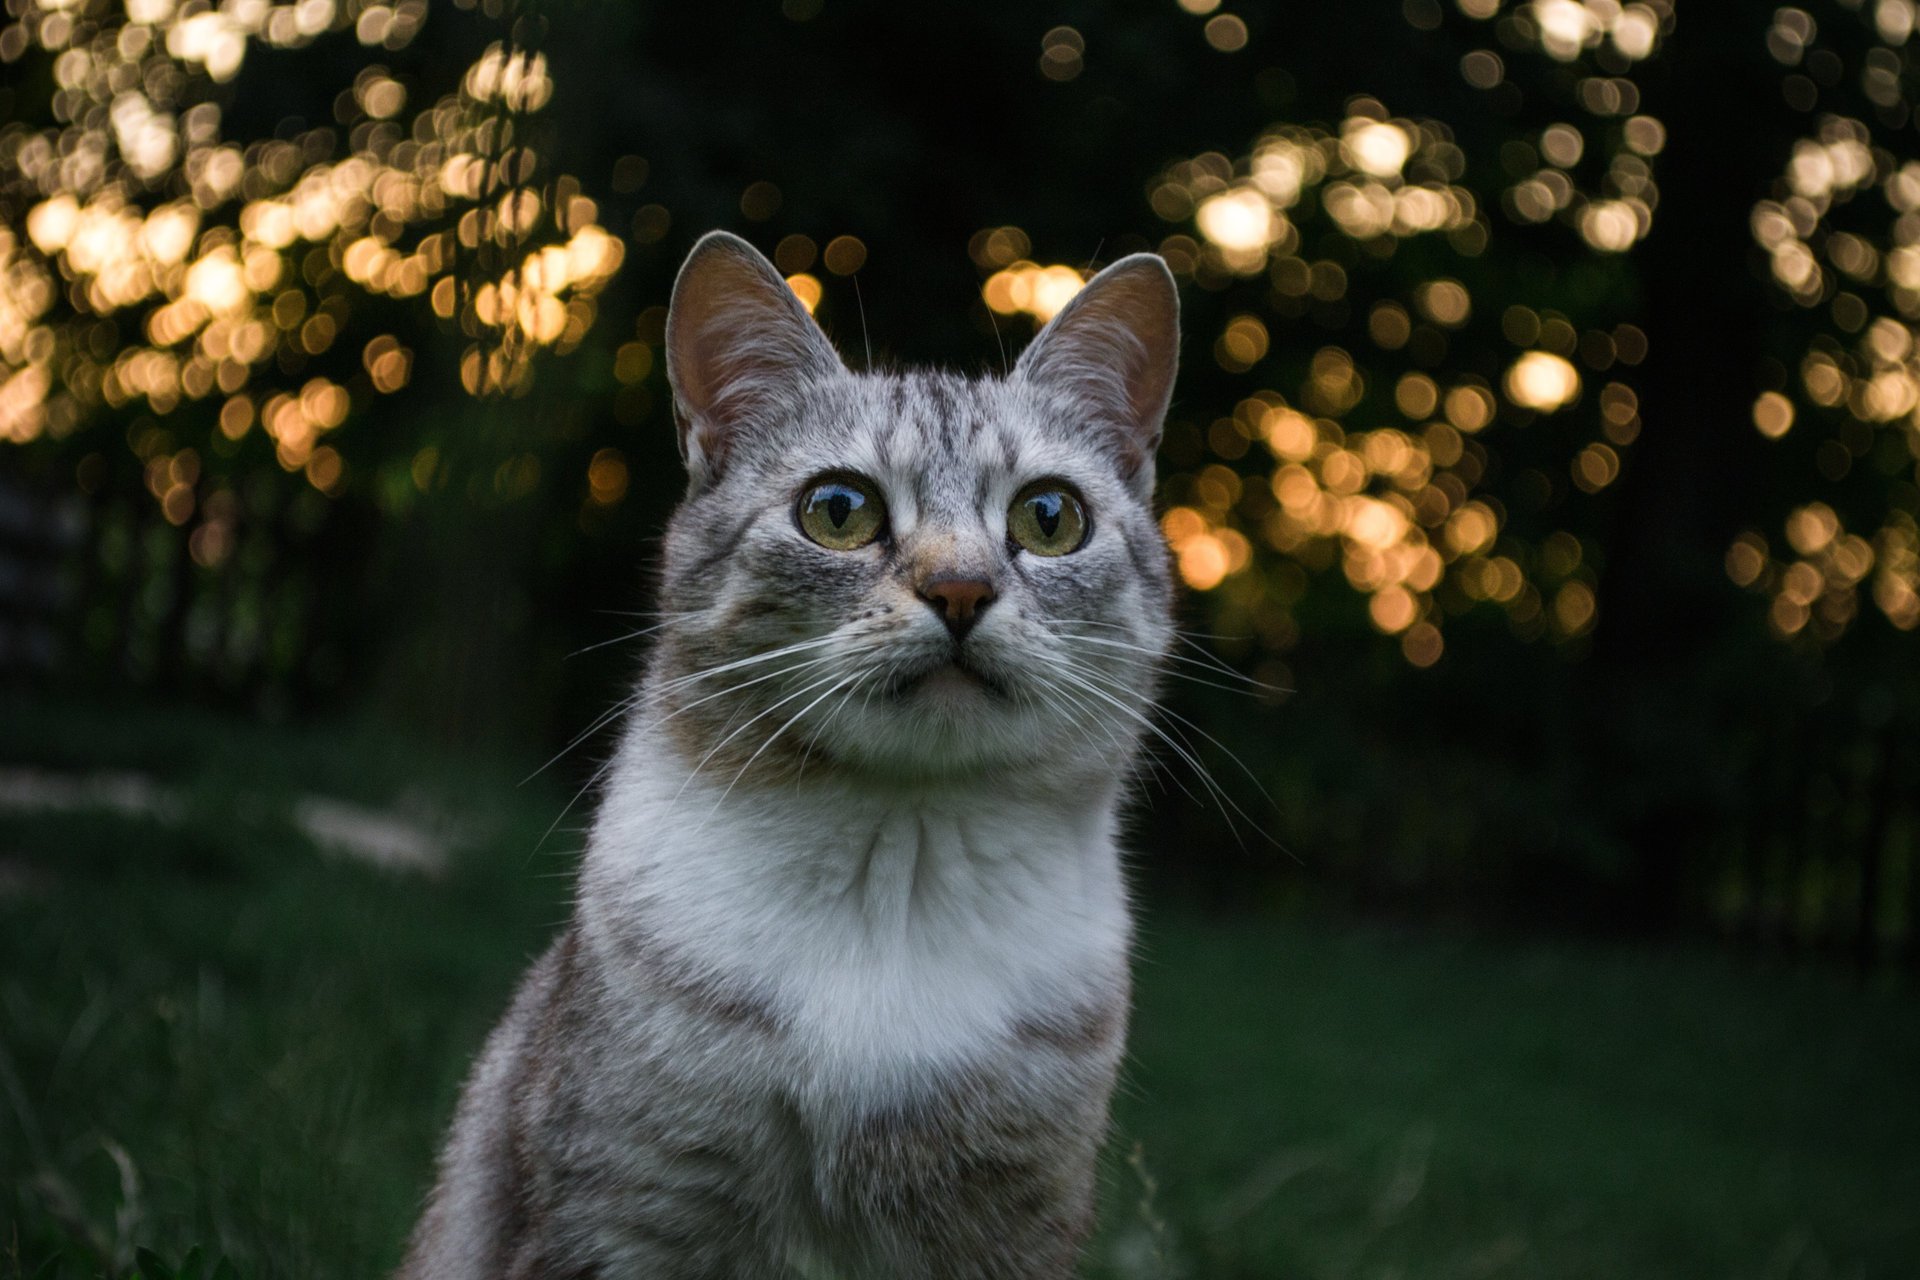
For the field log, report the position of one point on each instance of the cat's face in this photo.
(918, 575)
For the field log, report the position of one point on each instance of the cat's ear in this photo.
(1116, 347)
(739, 348)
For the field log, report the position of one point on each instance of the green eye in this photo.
(1047, 519)
(842, 513)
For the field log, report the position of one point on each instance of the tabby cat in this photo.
(845, 987)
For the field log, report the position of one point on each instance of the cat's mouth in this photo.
(952, 675)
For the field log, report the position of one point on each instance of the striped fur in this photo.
(845, 989)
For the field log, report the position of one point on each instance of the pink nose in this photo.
(958, 601)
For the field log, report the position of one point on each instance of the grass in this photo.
(213, 1034)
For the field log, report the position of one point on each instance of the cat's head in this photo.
(916, 574)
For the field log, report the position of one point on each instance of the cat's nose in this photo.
(959, 601)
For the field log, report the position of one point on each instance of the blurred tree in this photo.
(228, 284)
(1548, 416)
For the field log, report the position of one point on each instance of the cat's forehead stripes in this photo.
(853, 881)
(942, 446)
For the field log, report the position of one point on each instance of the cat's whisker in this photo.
(1207, 660)
(599, 722)
(718, 746)
(1204, 635)
(813, 738)
(800, 646)
(661, 692)
(1185, 677)
(622, 639)
(1156, 657)
(653, 692)
(1214, 792)
(747, 683)
(1184, 750)
(644, 695)
(1006, 368)
(1191, 639)
(1222, 798)
(1164, 710)
(1079, 707)
(1062, 703)
(1139, 762)
(560, 817)
(1156, 706)
(635, 701)
(774, 737)
(667, 614)
(1188, 638)
(808, 743)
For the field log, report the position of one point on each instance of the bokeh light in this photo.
(1541, 380)
(1841, 234)
(248, 280)
(1377, 438)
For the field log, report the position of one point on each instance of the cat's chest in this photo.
(883, 1014)
(895, 1009)
(886, 944)
(930, 954)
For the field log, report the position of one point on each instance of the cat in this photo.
(846, 985)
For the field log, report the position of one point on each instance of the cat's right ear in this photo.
(1116, 348)
(739, 349)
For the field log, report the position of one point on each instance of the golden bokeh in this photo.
(1396, 507)
(807, 288)
(1542, 381)
(1858, 392)
(1227, 32)
(607, 478)
(277, 245)
(1038, 291)
(1062, 54)
(844, 255)
(1772, 414)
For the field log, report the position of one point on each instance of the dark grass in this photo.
(212, 1034)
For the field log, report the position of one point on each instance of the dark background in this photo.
(1619, 777)
(1695, 761)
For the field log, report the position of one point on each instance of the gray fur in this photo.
(845, 989)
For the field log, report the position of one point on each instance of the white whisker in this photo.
(1080, 677)
(654, 692)
(716, 748)
(774, 736)
(1164, 710)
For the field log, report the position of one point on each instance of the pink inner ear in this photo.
(739, 346)
(1117, 346)
(1145, 333)
(724, 330)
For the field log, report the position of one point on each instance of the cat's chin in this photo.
(956, 683)
(944, 721)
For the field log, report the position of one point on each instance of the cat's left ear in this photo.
(1116, 348)
(740, 347)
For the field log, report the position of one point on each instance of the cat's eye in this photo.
(841, 512)
(1047, 519)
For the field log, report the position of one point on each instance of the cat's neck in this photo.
(926, 915)
(896, 844)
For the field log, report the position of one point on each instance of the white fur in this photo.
(900, 933)
(861, 1018)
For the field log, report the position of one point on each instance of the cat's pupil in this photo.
(839, 507)
(1046, 513)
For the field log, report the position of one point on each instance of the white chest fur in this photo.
(898, 932)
